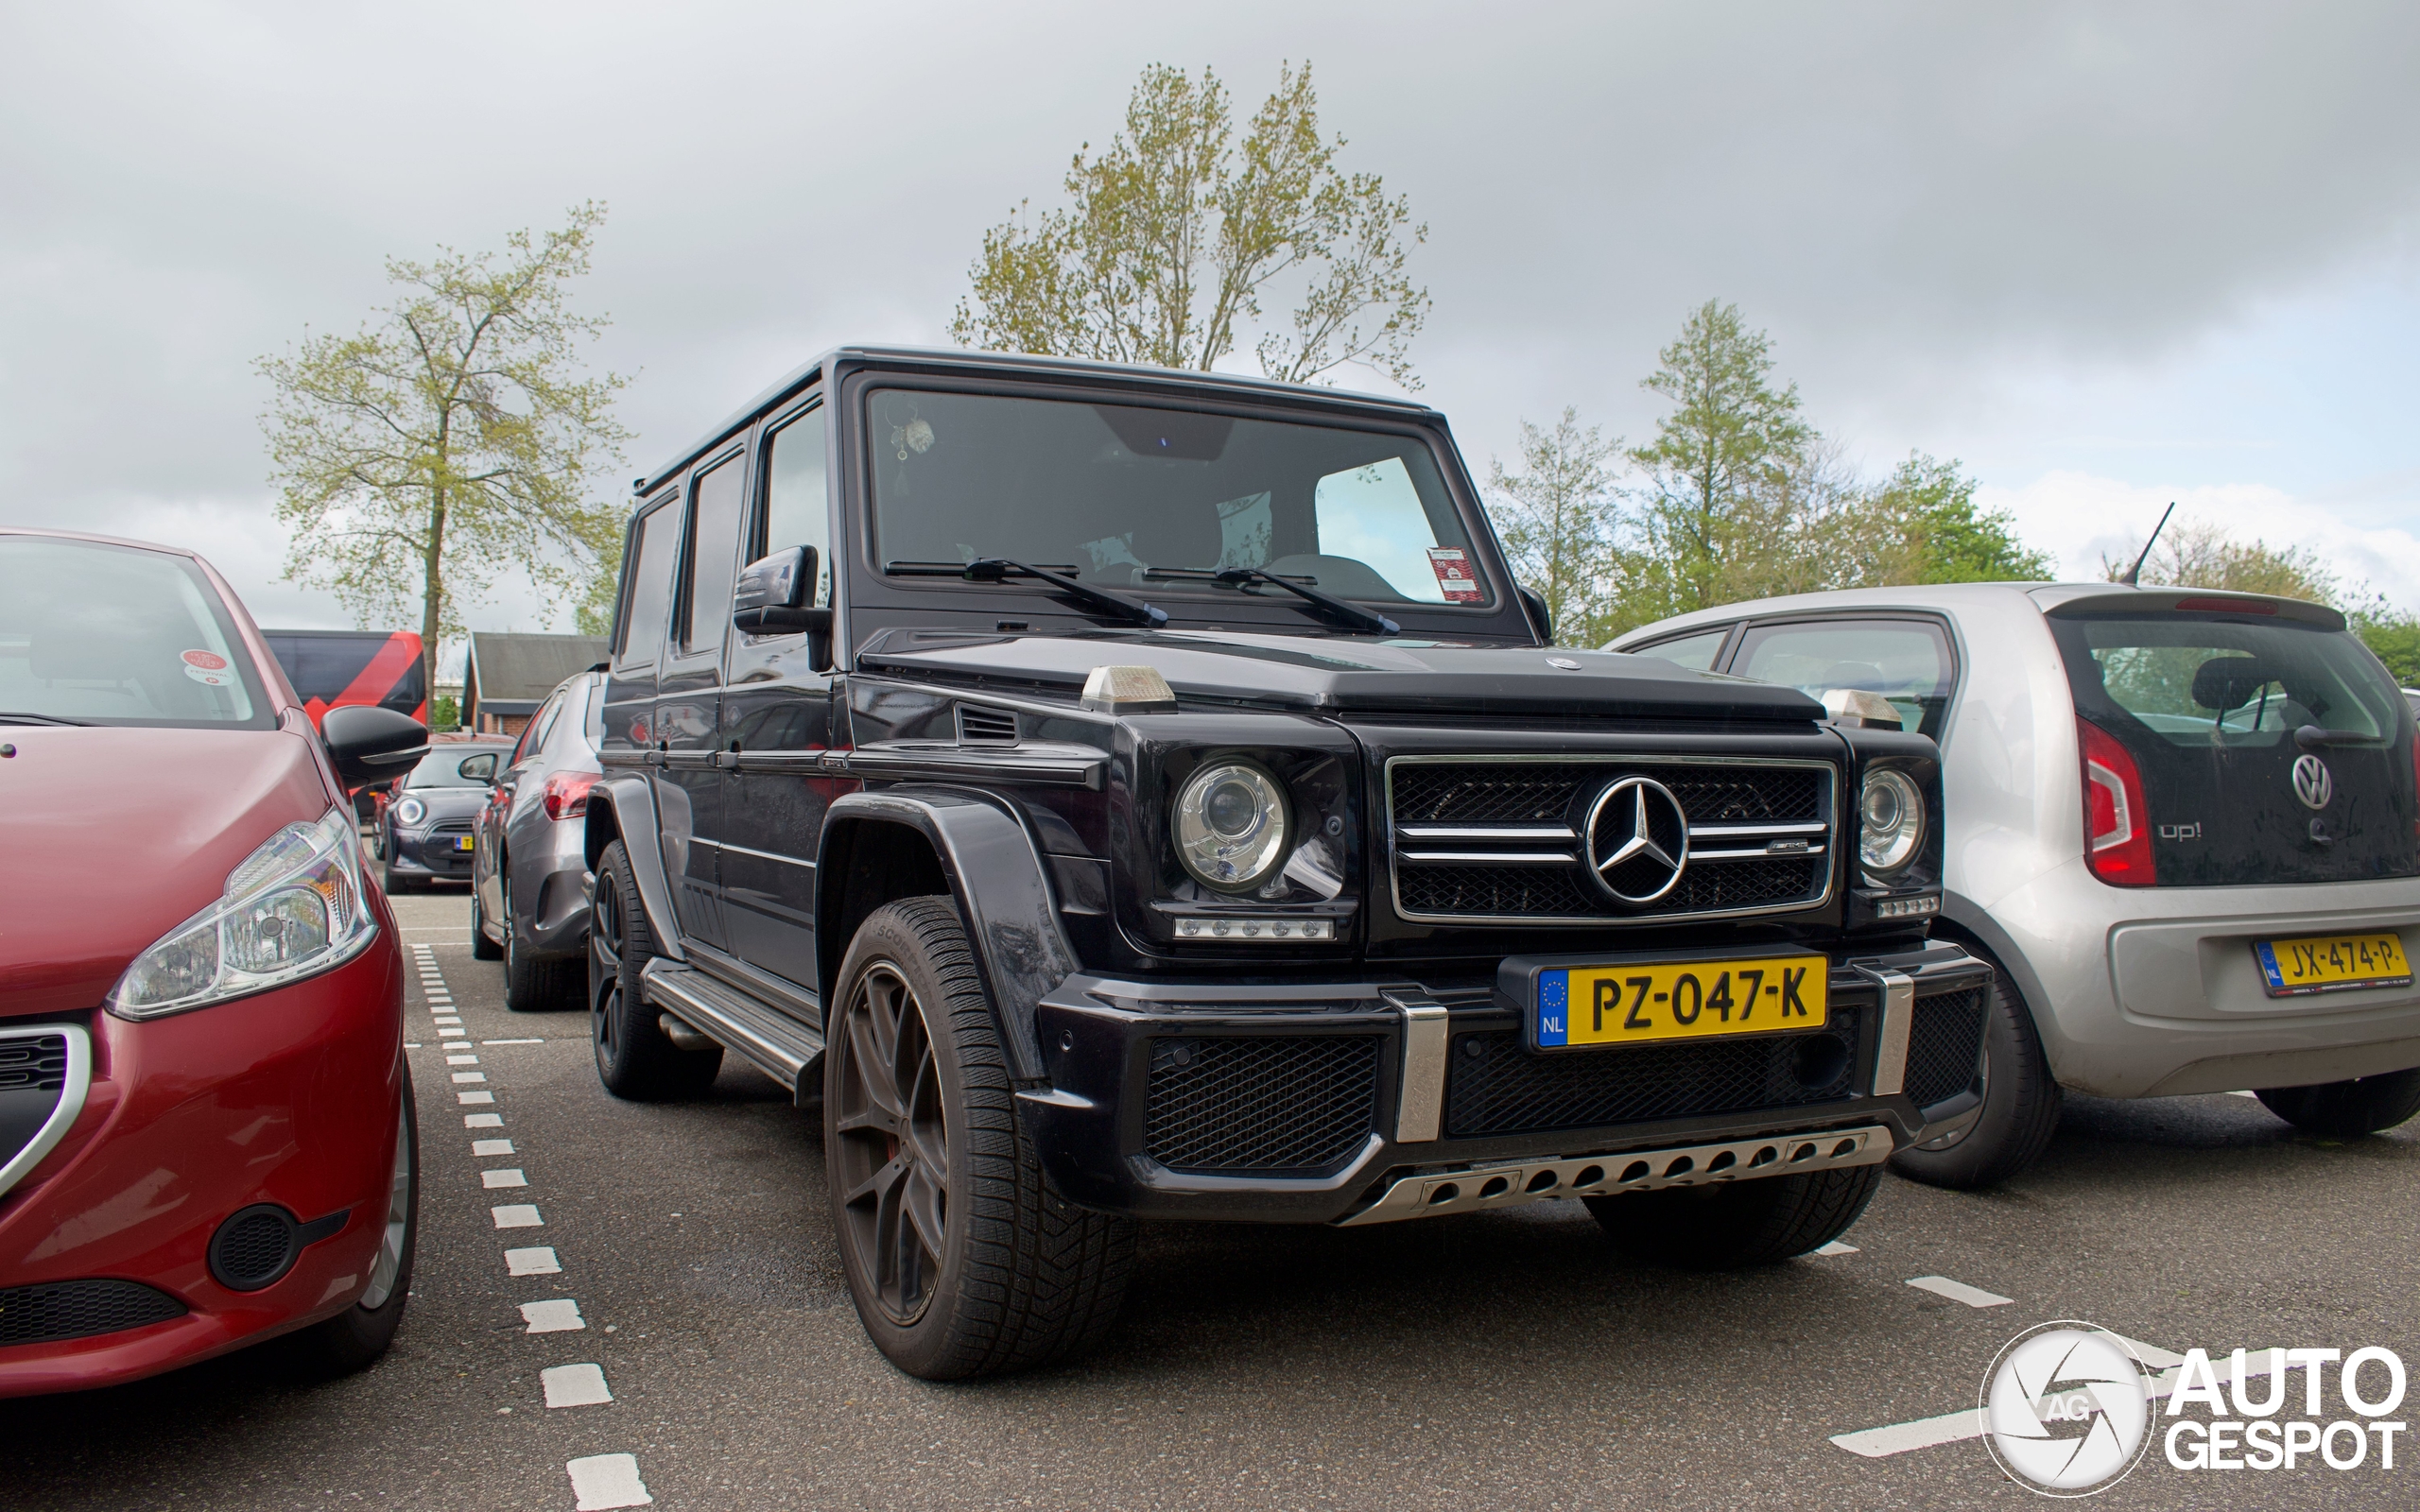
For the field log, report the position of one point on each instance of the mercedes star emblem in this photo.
(1638, 840)
(2311, 782)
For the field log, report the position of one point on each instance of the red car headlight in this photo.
(293, 908)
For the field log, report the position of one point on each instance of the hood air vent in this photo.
(986, 726)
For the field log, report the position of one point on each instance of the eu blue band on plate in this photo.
(1554, 1001)
(2268, 958)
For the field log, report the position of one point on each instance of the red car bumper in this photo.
(290, 1097)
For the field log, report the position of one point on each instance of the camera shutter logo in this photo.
(1637, 840)
(2065, 1411)
(2311, 782)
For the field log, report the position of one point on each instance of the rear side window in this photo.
(533, 736)
(1694, 652)
(1906, 661)
(651, 568)
(2266, 752)
(714, 559)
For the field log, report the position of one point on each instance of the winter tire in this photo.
(2347, 1109)
(2021, 1103)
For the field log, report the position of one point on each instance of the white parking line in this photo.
(462, 1061)
(603, 1481)
(517, 1216)
(538, 1261)
(492, 1146)
(1949, 1428)
(1836, 1248)
(467, 1099)
(1959, 1291)
(483, 1121)
(575, 1385)
(491, 1179)
(513, 1041)
(462, 1077)
(556, 1314)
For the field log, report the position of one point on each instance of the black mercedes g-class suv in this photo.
(1120, 794)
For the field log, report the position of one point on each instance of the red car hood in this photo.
(110, 838)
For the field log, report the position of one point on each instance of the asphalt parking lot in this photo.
(1496, 1360)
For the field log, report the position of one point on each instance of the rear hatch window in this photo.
(2219, 711)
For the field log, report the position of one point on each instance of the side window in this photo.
(659, 548)
(1694, 652)
(534, 738)
(714, 559)
(796, 511)
(1905, 660)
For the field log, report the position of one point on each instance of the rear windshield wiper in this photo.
(9, 716)
(1327, 604)
(2312, 737)
(995, 569)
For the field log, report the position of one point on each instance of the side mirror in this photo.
(1541, 619)
(771, 599)
(480, 768)
(368, 744)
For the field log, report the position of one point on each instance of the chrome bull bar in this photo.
(1435, 1194)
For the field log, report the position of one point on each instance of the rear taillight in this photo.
(566, 794)
(2117, 821)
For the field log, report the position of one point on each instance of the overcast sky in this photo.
(2106, 256)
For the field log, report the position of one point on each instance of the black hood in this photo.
(1347, 676)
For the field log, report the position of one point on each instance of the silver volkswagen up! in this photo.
(2184, 824)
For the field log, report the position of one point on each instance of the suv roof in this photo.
(1225, 386)
(2050, 598)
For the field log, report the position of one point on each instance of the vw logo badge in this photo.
(2311, 782)
(1637, 840)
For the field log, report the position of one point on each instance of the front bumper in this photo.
(1312, 1103)
(430, 852)
(289, 1097)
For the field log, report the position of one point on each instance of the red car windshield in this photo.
(95, 634)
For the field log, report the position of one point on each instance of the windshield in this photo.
(116, 635)
(437, 768)
(1122, 496)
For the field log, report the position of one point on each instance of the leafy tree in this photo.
(1921, 524)
(1732, 470)
(2198, 554)
(2393, 635)
(1175, 233)
(451, 439)
(1558, 521)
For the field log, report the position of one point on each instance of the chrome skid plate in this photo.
(1435, 1193)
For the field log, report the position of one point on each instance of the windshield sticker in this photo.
(208, 668)
(206, 660)
(1452, 566)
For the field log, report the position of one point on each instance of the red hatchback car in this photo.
(206, 1129)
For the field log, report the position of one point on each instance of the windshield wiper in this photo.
(1328, 604)
(996, 569)
(9, 716)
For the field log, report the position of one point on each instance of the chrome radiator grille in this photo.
(1513, 840)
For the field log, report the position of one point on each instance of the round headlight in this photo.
(410, 811)
(1891, 820)
(1231, 825)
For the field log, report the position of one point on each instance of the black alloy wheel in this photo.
(891, 1161)
(634, 1059)
(961, 1258)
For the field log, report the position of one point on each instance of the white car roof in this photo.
(1952, 597)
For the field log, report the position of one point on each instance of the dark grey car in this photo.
(424, 835)
(530, 874)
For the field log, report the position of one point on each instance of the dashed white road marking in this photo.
(1959, 1291)
(575, 1385)
(603, 1482)
(517, 1216)
(467, 1099)
(483, 1121)
(462, 1077)
(556, 1314)
(462, 1061)
(508, 1178)
(1836, 1248)
(538, 1261)
(492, 1146)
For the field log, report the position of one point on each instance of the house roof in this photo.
(507, 669)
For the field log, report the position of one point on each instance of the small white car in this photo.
(2186, 825)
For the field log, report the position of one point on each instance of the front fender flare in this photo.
(994, 864)
(630, 802)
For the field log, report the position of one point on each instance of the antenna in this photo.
(2134, 574)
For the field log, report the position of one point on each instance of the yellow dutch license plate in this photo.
(2331, 963)
(1580, 1007)
(464, 842)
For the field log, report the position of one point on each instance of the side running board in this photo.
(780, 1046)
